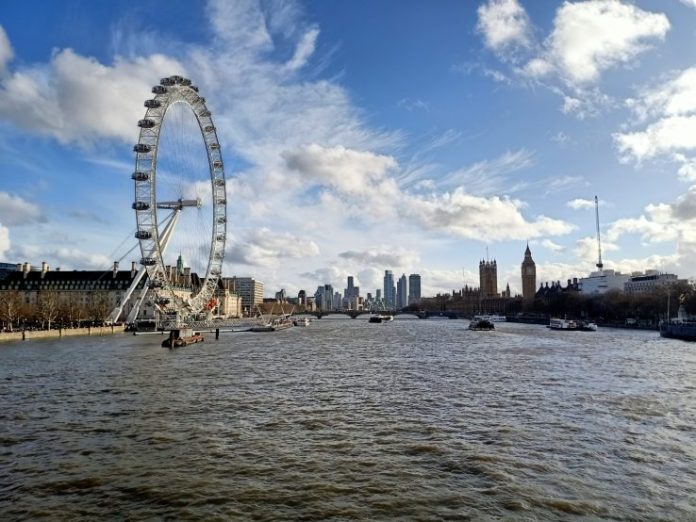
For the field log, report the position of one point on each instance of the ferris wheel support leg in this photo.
(117, 311)
(164, 241)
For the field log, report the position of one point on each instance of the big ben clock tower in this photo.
(528, 276)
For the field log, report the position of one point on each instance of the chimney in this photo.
(57, 269)
(25, 269)
(115, 270)
(44, 268)
(19, 267)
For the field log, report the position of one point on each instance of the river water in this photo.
(414, 419)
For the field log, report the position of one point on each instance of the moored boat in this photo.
(493, 318)
(682, 330)
(380, 318)
(182, 337)
(302, 321)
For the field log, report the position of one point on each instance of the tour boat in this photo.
(562, 324)
(481, 325)
(302, 321)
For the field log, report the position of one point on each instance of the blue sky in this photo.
(362, 136)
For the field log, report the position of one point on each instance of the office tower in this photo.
(389, 290)
(402, 292)
(414, 289)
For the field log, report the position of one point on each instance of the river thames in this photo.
(345, 420)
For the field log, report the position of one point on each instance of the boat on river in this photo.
(302, 321)
(380, 318)
(562, 324)
(279, 323)
(481, 325)
(182, 337)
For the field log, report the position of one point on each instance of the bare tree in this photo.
(47, 307)
(11, 307)
(71, 311)
(99, 306)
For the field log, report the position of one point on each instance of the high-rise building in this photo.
(249, 289)
(528, 276)
(414, 289)
(488, 278)
(402, 292)
(389, 290)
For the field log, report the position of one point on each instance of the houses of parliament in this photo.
(486, 298)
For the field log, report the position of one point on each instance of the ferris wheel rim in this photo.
(171, 91)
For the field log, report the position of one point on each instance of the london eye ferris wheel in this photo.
(180, 202)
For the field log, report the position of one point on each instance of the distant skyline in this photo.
(361, 137)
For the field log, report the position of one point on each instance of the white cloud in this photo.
(670, 109)
(583, 204)
(6, 52)
(550, 245)
(491, 176)
(664, 222)
(265, 248)
(76, 99)
(64, 257)
(304, 50)
(349, 171)
(379, 257)
(619, 32)
(580, 203)
(15, 211)
(486, 219)
(672, 134)
(588, 38)
(586, 248)
(4, 240)
(691, 3)
(504, 24)
(675, 96)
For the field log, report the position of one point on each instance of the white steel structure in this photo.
(155, 230)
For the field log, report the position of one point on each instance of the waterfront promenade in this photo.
(25, 335)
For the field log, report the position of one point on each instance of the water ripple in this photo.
(346, 420)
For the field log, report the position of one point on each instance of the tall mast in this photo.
(600, 265)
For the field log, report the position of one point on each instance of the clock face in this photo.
(530, 270)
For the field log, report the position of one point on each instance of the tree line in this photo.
(53, 309)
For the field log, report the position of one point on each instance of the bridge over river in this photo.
(354, 314)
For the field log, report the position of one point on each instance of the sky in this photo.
(361, 136)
